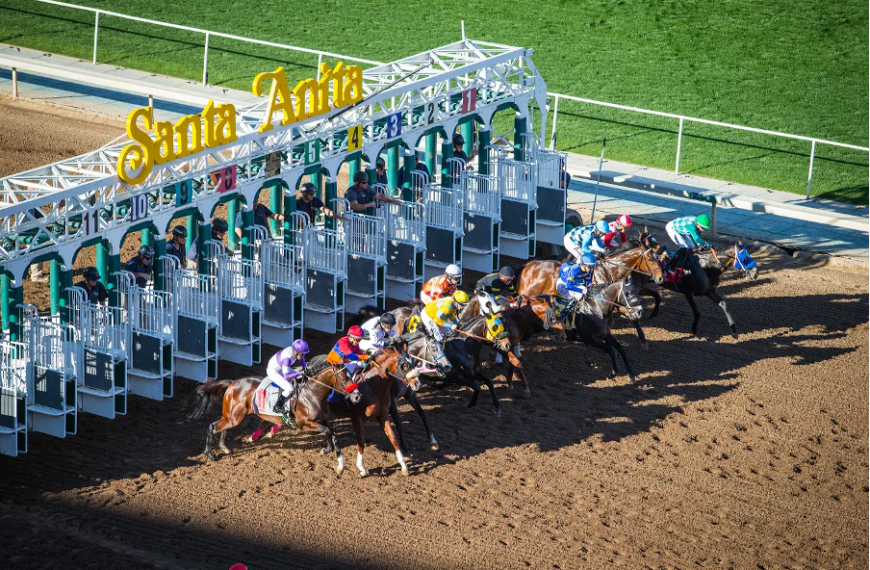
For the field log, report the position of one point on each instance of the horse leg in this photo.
(521, 371)
(273, 431)
(489, 384)
(208, 434)
(359, 431)
(221, 426)
(658, 299)
(643, 342)
(411, 398)
(695, 312)
(223, 443)
(474, 385)
(331, 440)
(257, 434)
(615, 343)
(394, 414)
(605, 346)
(720, 300)
(388, 429)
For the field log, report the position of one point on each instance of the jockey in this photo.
(440, 316)
(443, 285)
(575, 278)
(378, 330)
(615, 235)
(493, 288)
(280, 371)
(347, 353)
(579, 240)
(685, 232)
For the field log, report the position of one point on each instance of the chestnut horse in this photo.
(311, 409)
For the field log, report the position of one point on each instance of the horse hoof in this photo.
(226, 450)
(364, 474)
(734, 336)
(249, 439)
(210, 456)
(633, 379)
(435, 446)
(338, 472)
(644, 346)
(325, 451)
(471, 404)
(405, 471)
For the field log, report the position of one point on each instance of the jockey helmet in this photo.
(458, 139)
(91, 273)
(453, 271)
(361, 177)
(704, 222)
(624, 220)
(460, 297)
(301, 346)
(308, 188)
(602, 226)
(379, 163)
(146, 251)
(388, 320)
(588, 259)
(219, 225)
(179, 231)
(507, 271)
(355, 332)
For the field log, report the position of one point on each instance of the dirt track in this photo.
(727, 454)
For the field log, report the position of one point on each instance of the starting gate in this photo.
(406, 244)
(481, 219)
(105, 336)
(284, 284)
(13, 394)
(197, 306)
(443, 210)
(516, 184)
(152, 323)
(325, 256)
(552, 198)
(52, 358)
(240, 289)
(365, 239)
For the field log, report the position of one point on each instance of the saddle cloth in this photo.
(265, 396)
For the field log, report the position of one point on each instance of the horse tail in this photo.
(204, 397)
(364, 314)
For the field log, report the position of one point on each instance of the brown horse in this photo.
(539, 277)
(311, 409)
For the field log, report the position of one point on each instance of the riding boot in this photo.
(286, 414)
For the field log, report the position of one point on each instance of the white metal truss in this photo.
(60, 206)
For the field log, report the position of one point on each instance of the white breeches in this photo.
(277, 378)
(562, 289)
(433, 329)
(572, 247)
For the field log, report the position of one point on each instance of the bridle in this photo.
(636, 266)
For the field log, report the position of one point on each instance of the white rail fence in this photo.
(556, 97)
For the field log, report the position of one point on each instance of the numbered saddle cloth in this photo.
(265, 396)
(414, 323)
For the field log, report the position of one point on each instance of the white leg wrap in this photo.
(401, 459)
(359, 463)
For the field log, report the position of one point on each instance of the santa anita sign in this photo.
(216, 125)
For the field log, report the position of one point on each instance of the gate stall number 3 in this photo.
(394, 125)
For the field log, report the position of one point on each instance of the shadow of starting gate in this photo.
(406, 244)
(365, 240)
(104, 333)
(482, 217)
(152, 324)
(240, 289)
(13, 397)
(325, 256)
(516, 185)
(284, 279)
(548, 169)
(51, 372)
(197, 314)
(444, 224)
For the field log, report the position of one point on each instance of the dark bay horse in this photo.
(714, 265)
(311, 410)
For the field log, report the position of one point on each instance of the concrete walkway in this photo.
(650, 195)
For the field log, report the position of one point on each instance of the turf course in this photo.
(796, 67)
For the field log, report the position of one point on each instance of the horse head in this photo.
(631, 295)
(743, 261)
(406, 371)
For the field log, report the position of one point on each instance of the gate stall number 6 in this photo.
(394, 125)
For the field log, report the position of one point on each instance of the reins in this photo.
(635, 267)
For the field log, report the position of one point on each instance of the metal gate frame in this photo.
(552, 198)
(197, 313)
(13, 397)
(152, 338)
(325, 256)
(406, 244)
(481, 203)
(365, 239)
(444, 225)
(284, 279)
(52, 351)
(518, 189)
(240, 288)
(105, 336)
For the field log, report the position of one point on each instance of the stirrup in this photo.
(289, 420)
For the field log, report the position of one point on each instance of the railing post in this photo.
(14, 83)
(96, 33)
(319, 62)
(555, 114)
(205, 62)
(679, 145)
(810, 175)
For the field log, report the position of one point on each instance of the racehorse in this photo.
(311, 409)
(539, 277)
(714, 265)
